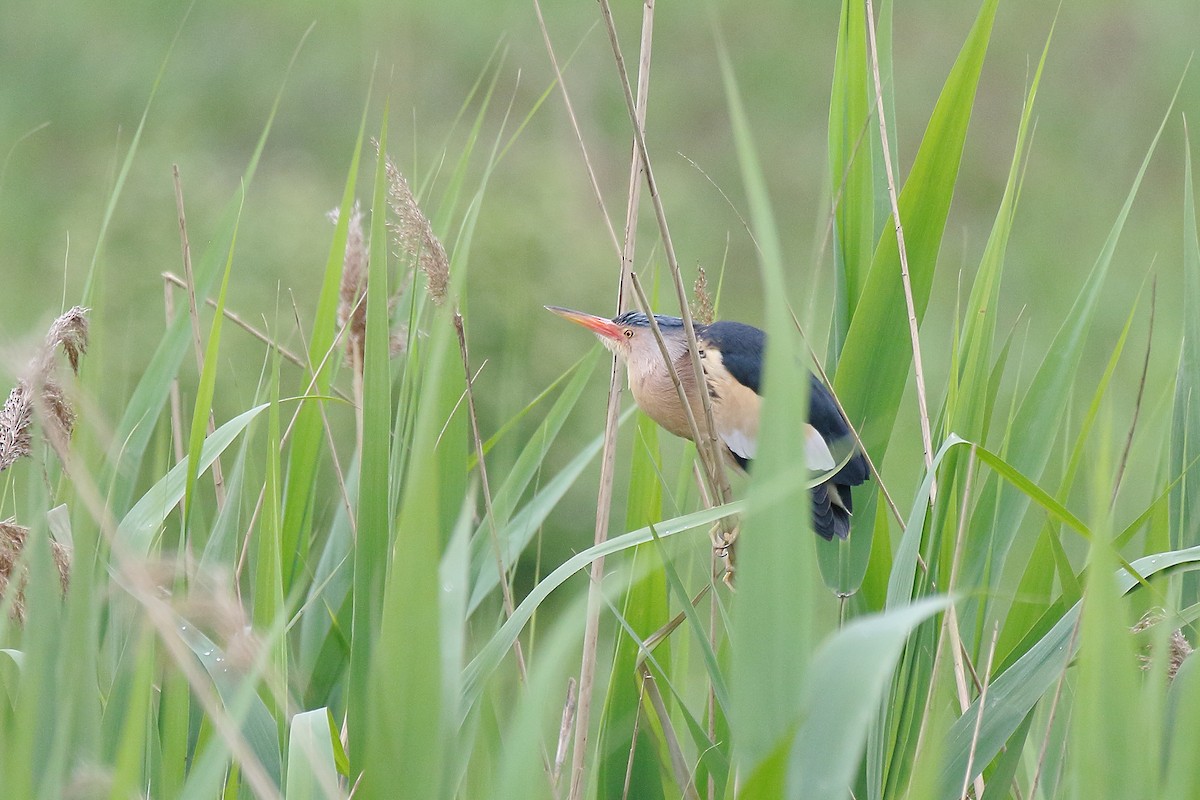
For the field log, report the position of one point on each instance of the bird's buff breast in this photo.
(656, 395)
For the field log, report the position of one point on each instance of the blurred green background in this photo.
(75, 78)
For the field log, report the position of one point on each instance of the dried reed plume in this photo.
(352, 310)
(70, 333)
(702, 305)
(1178, 647)
(352, 306)
(414, 235)
(12, 542)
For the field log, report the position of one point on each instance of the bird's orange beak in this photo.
(597, 325)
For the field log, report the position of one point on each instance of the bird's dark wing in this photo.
(824, 415)
(742, 354)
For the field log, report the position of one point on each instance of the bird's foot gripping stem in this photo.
(723, 540)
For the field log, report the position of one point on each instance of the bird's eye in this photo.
(629, 333)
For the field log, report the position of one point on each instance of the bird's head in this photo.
(630, 337)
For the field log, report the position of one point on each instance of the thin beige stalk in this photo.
(1137, 403)
(493, 531)
(564, 733)
(566, 96)
(194, 313)
(1062, 678)
(987, 679)
(633, 739)
(708, 446)
(176, 403)
(608, 456)
(239, 321)
(949, 620)
(914, 333)
(683, 774)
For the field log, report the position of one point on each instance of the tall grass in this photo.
(360, 607)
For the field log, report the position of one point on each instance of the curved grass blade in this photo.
(312, 769)
(845, 684)
(1015, 691)
(136, 531)
(492, 653)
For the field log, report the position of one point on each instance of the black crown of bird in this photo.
(732, 356)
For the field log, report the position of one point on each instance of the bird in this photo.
(732, 355)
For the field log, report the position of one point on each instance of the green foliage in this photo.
(384, 602)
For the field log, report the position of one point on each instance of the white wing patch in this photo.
(740, 443)
(816, 451)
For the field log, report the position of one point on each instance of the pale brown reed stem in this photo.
(194, 313)
(914, 333)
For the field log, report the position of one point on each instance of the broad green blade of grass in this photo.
(1185, 422)
(307, 430)
(1182, 732)
(846, 681)
(239, 697)
(1015, 691)
(853, 137)
(645, 608)
(517, 534)
(138, 528)
(174, 711)
(1108, 684)
(207, 388)
(877, 355)
(514, 533)
(36, 748)
(1049, 560)
(133, 432)
(324, 641)
(312, 771)
(775, 556)
(373, 545)
(269, 564)
(1039, 417)
(128, 773)
(453, 578)
(404, 705)
(875, 361)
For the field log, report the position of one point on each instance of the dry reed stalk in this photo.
(708, 446)
(218, 474)
(638, 163)
(914, 333)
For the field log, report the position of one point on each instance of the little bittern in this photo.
(732, 356)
